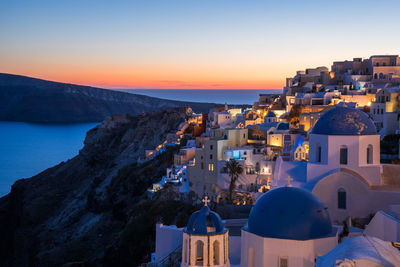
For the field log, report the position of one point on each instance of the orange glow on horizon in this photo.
(157, 78)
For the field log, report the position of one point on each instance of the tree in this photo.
(234, 170)
(294, 114)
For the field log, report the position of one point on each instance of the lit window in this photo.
(211, 167)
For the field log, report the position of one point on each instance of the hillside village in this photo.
(330, 141)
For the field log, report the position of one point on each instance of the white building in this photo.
(384, 226)
(363, 251)
(222, 119)
(384, 110)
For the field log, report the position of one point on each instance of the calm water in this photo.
(27, 149)
(248, 96)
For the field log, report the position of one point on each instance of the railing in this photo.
(173, 259)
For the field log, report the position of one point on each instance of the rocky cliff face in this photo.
(92, 209)
(34, 100)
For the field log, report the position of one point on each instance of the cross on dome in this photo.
(289, 179)
(206, 201)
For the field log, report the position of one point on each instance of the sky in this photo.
(207, 44)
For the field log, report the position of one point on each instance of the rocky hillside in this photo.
(35, 100)
(92, 210)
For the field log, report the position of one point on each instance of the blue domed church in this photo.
(344, 169)
(205, 240)
(287, 225)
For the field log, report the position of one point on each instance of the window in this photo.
(374, 111)
(387, 98)
(216, 252)
(202, 165)
(211, 147)
(283, 261)
(211, 167)
(211, 156)
(343, 155)
(381, 110)
(244, 135)
(199, 252)
(341, 199)
(370, 154)
(319, 153)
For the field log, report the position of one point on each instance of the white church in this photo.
(299, 222)
(344, 169)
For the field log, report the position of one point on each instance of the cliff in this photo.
(34, 100)
(92, 210)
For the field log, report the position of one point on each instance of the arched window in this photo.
(376, 76)
(343, 155)
(199, 252)
(216, 252)
(341, 199)
(318, 156)
(370, 154)
(381, 76)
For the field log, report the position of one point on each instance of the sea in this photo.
(219, 96)
(27, 149)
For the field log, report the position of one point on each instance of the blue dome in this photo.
(205, 222)
(271, 114)
(283, 126)
(289, 213)
(344, 121)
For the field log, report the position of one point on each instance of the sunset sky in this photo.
(189, 44)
